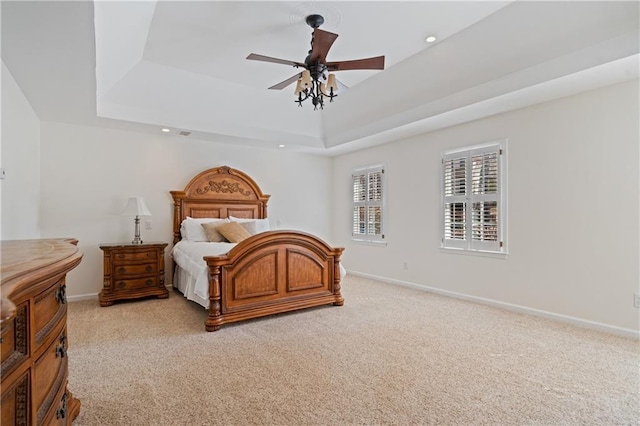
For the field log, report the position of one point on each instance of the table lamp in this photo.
(136, 207)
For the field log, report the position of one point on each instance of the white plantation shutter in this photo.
(472, 203)
(455, 197)
(368, 204)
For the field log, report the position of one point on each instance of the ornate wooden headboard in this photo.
(218, 193)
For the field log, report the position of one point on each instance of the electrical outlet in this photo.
(147, 225)
(636, 300)
(405, 265)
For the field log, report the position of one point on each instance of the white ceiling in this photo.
(181, 64)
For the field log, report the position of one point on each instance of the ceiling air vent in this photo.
(184, 133)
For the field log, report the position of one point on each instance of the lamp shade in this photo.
(136, 207)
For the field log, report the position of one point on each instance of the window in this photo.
(473, 205)
(368, 204)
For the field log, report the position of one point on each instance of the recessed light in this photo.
(165, 130)
(281, 146)
(430, 39)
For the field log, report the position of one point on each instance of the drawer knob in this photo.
(121, 256)
(122, 284)
(122, 270)
(149, 254)
(149, 268)
(148, 282)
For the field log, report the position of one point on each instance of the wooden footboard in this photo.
(270, 273)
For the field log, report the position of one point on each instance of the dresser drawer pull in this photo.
(150, 254)
(122, 284)
(61, 350)
(148, 282)
(61, 413)
(61, 294)
(122, 270)
(149, 268)
(121, 256)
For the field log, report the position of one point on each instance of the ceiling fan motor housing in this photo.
(317, 71)
(314, 21)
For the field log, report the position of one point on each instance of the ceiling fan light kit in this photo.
(317, 81)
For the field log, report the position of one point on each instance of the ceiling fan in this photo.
(316, 81)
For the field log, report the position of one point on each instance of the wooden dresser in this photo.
(33, 316)
(132, 271)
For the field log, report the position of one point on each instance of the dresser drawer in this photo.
(136, 284)
(15, 402)
(58, 414)
(15, 339)
(50, 373)
(136, 255)
(133, 269)
(50, 308)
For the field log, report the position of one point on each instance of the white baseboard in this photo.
(79, 297)
(620, 331)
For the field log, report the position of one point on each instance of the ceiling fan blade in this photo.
(322, 42)
(375, 63)
(285, 83)
(256, 57)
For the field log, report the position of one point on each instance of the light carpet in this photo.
(390, 355)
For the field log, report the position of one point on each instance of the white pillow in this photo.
(253, 226)
(192, 230)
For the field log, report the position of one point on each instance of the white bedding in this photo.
(192, 277)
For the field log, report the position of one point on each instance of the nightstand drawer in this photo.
(136, 255)
(133, 269)
(136, 283)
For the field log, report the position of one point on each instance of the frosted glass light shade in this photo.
(332, 84)
(136, 207)
(305, 79)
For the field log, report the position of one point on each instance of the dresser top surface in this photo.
(18, 257)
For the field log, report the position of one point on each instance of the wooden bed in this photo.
(268, 273)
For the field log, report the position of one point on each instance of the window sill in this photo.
(494, 254)
(370, 242)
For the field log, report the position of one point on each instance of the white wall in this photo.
(573, 186)
(20, 157)
(88, 173)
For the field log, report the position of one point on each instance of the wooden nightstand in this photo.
(132, 271)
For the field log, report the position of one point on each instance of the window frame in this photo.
(467, 244)
(366, 236)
